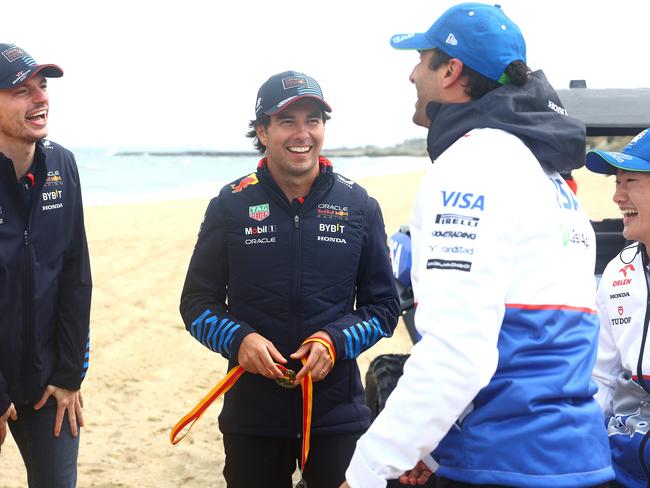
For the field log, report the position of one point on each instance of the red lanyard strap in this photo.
(226, 384)
(328, 345)
(195, 414)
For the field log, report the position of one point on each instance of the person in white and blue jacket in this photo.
(499, 386)
(622, 371)
(45, 281)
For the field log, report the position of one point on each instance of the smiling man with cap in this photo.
(291, 270)
(621, 371)
(45, 283)
(498, 390)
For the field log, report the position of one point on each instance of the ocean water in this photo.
(108, 178)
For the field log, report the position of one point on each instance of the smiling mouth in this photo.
(629, 212)
(299, 149)
(36, 116)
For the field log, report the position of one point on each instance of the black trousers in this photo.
(269, 462)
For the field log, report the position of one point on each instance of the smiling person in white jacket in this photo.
(622, 369)
(499, 388)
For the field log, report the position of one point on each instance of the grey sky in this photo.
(185, 73)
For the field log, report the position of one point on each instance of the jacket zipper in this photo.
(639, 367)
(295, 295)
(296, 278)
(281, 199)
(28, 314)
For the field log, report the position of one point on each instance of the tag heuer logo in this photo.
(259, 212)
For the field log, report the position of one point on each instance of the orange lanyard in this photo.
(226, 384)
(328, 345)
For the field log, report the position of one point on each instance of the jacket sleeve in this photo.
(203, 299)
(608, 362)
(5, 401)
(73, 304)
(459, 315)
(377, 303)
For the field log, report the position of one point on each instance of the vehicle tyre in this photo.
(381, 378)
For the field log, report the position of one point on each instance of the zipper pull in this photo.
(296, 221)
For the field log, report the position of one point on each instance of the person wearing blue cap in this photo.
(498, 390)
(621, 371)
(45, 280)
(291, 269)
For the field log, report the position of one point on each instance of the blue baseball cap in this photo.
(16, 67)
(480, 35)
(634, 157)
(281, 90)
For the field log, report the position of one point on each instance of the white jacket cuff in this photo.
(359, 474)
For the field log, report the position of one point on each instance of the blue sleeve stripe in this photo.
(355, 341)
(375, 321)
(206, 327)
(375, 332)
(223, 333)
(348, 344)
(208, 331)
(218, 336)
(361, 336)
(213, 333)
(199, 321)
(377, 326)
(84, 369)
(371, 332)
(362, 333)
(228, 341)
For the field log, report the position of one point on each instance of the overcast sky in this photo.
(158, 73)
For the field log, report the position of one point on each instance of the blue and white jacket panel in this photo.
(287, 271)
(622, 369)
(499, 385)
(45, 280)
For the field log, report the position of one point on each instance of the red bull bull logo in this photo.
(245, 182)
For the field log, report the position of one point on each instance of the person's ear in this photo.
(453, 72)
(262, 136)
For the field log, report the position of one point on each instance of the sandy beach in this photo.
(146, 371)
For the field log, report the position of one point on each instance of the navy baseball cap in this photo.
(634, 157)
(281, 90)
(16, 67)
(480, 35)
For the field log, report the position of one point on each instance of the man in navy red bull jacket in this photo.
(288, 254)
(45, 282)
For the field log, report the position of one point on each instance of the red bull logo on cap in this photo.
(251, 179)
(259, 212)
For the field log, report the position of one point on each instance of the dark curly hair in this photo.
(477, 84)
